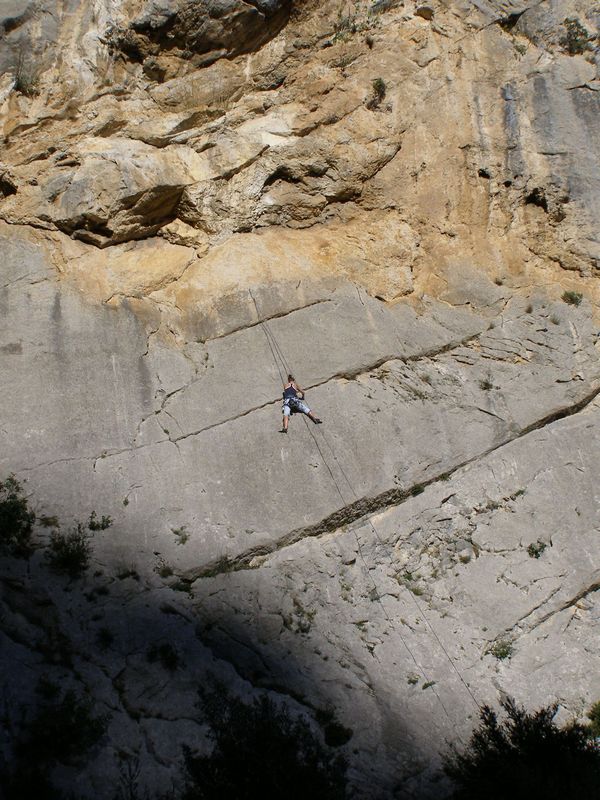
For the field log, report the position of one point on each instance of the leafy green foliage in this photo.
(379, 89)
(16, 520)
(260, 751)
(26, 80)
(577, 38)
(525, 757)
(501, 649)
(594, 717)
(572, 298)
(61, 732)
(536, 549)
(70, 552)
(182, 534)
(95, 524)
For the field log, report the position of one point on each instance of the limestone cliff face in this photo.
(389, 199)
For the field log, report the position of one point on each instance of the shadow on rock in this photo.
(118, 684)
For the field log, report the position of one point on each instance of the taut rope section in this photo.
(278, 357)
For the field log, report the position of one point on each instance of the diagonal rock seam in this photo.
(266, 319)
(593, 587)
(366, 506)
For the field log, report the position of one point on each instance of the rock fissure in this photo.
(279, 315)
(590, 589)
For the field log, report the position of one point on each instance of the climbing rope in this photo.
(278, 357)
(413, 597)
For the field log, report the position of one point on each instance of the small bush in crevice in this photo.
(181, 534)
(594, 717)
(526, 756)
(379, 6)
(501, 649)
(163, 568)
(260, 751)
(344, 26)
(95, 524)
(577, 39)
(62, 731)
(48, 522)
(536, 549)
(70, 552)
(26, 81)
(379, 90)
(16, 520)
(572, 298)
(127, 571)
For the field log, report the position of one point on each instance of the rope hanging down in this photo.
(278, 357)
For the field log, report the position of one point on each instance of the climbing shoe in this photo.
(283, 430)
(318, 421)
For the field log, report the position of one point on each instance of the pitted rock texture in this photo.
(399, 204)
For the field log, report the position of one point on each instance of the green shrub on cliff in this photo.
(572, 298)
(70, 552)
(525, 757)
(261, 751)
(594, 718)
(61, 732)
(577, 38)
(16, 520)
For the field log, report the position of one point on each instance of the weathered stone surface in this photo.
(438, 579)
(167, 34)
(398, 388)
(391, 207)
(108, 191)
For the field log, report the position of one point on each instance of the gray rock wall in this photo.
(196, 203)
(370, 565)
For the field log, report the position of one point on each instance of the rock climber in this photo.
(293, 403)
